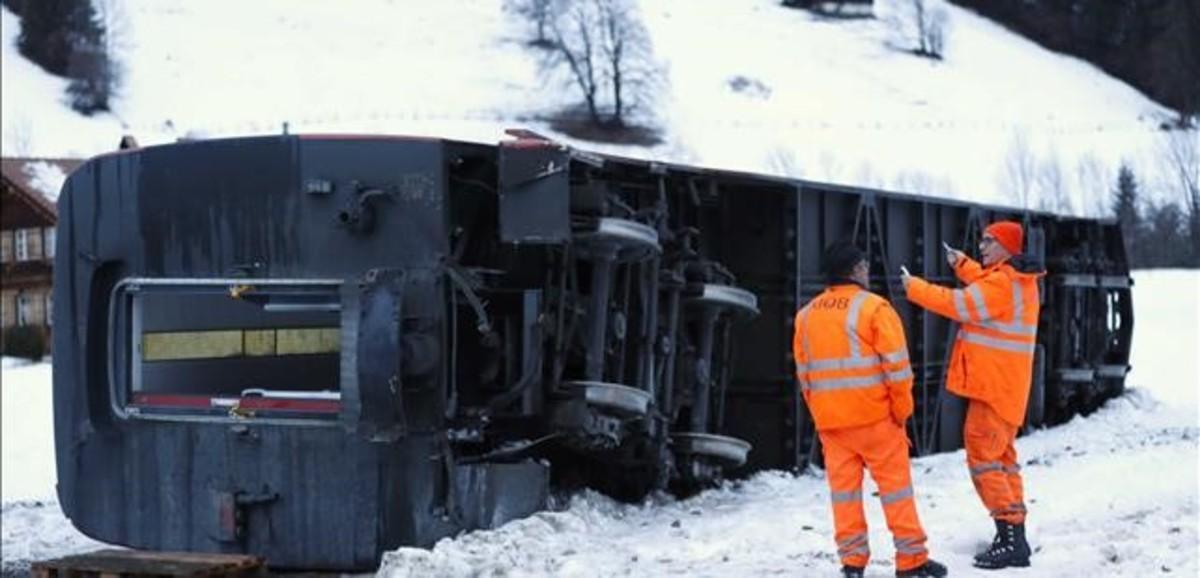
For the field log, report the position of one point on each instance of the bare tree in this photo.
(923, 183)
(783, 161)
(541, 13)
(933, 29)
(922, 26)
(113, 15)
(1019, 171)
(1052, 187)
(1092, 181)
(867, 176)
(18, 136)
(607, 51)
(913, 182)
(1183, 158)
(625, 45)
(576, 47)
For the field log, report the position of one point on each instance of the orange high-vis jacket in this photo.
(851, 359)
(992, 359)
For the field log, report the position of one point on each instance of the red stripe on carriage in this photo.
(250, 403)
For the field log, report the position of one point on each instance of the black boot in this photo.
(930, 569)
(849, 571)
(1009, 548)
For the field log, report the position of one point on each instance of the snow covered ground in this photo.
(1113, 494)
(749, 85)
(31, 523)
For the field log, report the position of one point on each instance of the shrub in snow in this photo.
(834, 8)
(751, 87)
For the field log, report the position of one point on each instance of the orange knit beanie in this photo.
(1008, 234)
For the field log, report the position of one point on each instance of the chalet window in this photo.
(6, 246)
(24, 309)
(22, 244)
(8, 301)
(48, 245)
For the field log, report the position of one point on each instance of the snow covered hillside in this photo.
(831, 100)
(1113, 494)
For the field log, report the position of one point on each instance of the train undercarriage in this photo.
(317, 349)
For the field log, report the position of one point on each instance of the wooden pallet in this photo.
(134, 563)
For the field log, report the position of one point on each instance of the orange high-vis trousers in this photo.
(992, 458)
(882, 447)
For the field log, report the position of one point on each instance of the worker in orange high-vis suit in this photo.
(853, 370)
(992, 366)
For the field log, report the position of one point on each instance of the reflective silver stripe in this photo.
(804, 383)
(980, 305)
(895, 357)
(896, 496)
(1012, 469)
(1017, 328)
(1017, 324)
(910, 545)
(1018, 302)
(960, 305)
(851, 496)
(843, 363)
(986, 467)
(852, 323)
(864, 381)
(852, 540)
(996, 343)
(900, 375)
(852, 551)
(856, 360)
(856, 544)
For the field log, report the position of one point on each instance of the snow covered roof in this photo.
(38, 179)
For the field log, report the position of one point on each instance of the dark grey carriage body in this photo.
(320, 348)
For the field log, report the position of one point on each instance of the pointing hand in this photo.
(953, 257)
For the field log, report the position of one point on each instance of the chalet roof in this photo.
(37, 180)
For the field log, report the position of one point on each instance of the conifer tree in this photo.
(65, 38)
(1125, 209)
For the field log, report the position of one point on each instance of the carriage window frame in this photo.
(124, 346)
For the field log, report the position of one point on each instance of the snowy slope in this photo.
(1113, 494)
(834, 100)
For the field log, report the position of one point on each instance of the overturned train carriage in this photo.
(318, 349)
